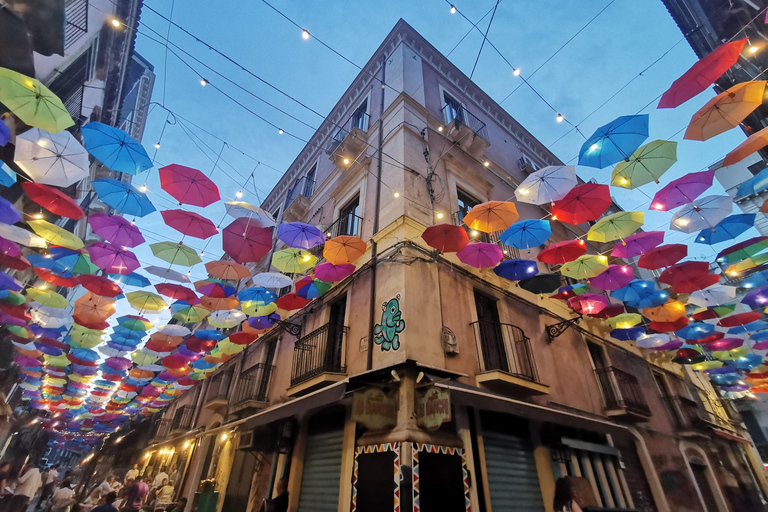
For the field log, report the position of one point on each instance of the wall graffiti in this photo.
(387, 332)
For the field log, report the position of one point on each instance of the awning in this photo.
(731, 437)
(489, 401)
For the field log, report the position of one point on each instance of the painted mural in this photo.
(387, 333)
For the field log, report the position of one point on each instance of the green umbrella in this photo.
(293, 261)
(32, 102)
(585, 266)
(80, 264)
(646, 164)
(142, 359)
(615, 226)
(174, 253)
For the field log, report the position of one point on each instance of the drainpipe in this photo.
(374, 248)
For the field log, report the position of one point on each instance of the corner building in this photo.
(476, 395)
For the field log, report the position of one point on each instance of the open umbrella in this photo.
(516, 269)
(8, 213)
(481, 255)
(55, 234)
(188, 186)
(663, 256)
(115, 229)
(113, 259)
(51, 158)
(547, 185)
(255, 214)
(245, 242)
(647, 164)
(227, 270)
(706, 213)
(726, 110)
(257, 295)
(7, 175)
(585, 267)
(582, 204)
(272, 280)
(94, 308)
(443, 237)
(688, 276)
(21, 236)
(309, 288)
(702, 74)
(588, 303)
(637, 244)
(542, 283)
(76, 262)
(740, 319)
(189, 223)
(727, 229)
(133, 279)
(115, 148)
(614, 142)
(331, 273)
(682, 191)
(526, 233)
(613, 278)
(226, 319)
(100, 285)
(343, 249)
(713, 295)
(175, 254)
(176, 291)
(47, 298)
(53, 200)
(188, 313)
(146, 301)
(491, 216)
(32, 102)
(293, 261)
(615, 226)
(123, 197)
(299, 235)
(562, 252)
(670, 311)
(754, 143)
(742, 250)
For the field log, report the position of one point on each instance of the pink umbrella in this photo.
(9, 248)
(613, 278)
(637, 244)
(113, 259)
(481, 255)
(118, 363)
(116, 230)
(588, 303)
(725, 344)
(189, 223)
(330, 273)
(682, 190)
(763, 345)
(245, 242)
(27, 362)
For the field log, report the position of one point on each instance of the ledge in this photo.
(504, 382)
(322, 380)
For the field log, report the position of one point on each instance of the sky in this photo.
(625, 37)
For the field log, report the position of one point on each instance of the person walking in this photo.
(132, 474)
(162, 475)
(108, 505)
(29, 482)
(49, 482)
(64, 497)
(136, 494)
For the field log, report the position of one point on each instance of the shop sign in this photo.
(374, 409)
(433, 408)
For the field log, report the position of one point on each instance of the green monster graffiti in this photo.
(386, 333)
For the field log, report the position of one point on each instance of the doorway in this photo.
(489, 331)
(699, 469)
(335, 341)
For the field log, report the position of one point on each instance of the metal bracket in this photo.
(555, 330)
(291, 328)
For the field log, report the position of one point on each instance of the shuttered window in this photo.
(321, 476)
(512, 478)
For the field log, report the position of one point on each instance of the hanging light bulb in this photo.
(439, 128)
(307, 257)
(560, 118)
(439, 215)
(38, 216)
(486, 163)
(157, 145)
(143, 188)
(304, 34)
(396, 194)
(115, 22)
(753, 49)
(203, 82)
(239, 194)
(453, 9)
(202, 253)
(346, 161)
(516, 71)
(280, 131)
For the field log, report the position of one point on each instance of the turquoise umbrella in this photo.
(115, 149)
(614, 142)
(526, 233)
(123, 197)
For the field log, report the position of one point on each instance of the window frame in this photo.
(443, 92)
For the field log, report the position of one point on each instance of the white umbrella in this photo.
(712, 296)
(51, 158)
(174, 330)
(112, 352)
(707, 212)
(167, 273)
(652, 340)
(46, 320)
(22, 236)
(259, 217)
(227, 318)
(45, 310)
(272, 280)
(547, 185)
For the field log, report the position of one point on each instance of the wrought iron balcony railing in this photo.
(321, 351)
(463, 116)
(356, 120)
(686, 413)
(303, 186)
(160, 428)
(182, 418)
(504, 347)
(621, 390)
(253, 384)
(76, 14)
(218, 387)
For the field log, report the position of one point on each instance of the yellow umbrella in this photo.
(57, 361)
(747, 264)
(624, 321)
(585, 266)
(491, 216)
(252, 308)
(707, 365)
(146, 301)
(48, 298)
(616, 226)
(32, 102)
(728, 355)
(142, 359)
(726, 110)
(293, 261)
(55, 234)
(670, 311)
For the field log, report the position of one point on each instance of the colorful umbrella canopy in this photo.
(682, 191)
(176, 291)
(615, 226)
(115, 229)
(309, 288)
(8, 213)
(175, 253)
(670, 311)
(588, 303)
(526, 233)
(516, 269)
(133, 279)
(76, 262)
(94, 308)
(55, 234)
(743, 250)
(245, 242)
(713, 295)
(257, 295)
(706, 213)
(663, 256)
(491, 216)
(293, 261)
(343, 249)
(255, 214)
(115, 149)
(757, 298)
(727, 229)
(624, 320)
(542, 283)
(585, 267)
(47, 298)
(187, 313)
(481, 255)
(7, 175)
(688, 276)
(272, 280)
(299, 235)
(726, 110)
(331, 273)
(51, 158)
(188, 186)
(613, 278)
(547, 185)
(614, 142)
(100, 285)
(226, 319)
(146, 301)
(32, 102)
(189, 223)
(634, 291)
(562, 252)
(754, 143)
(648, 163)
(227, 270)
(123, 197)
(582, 204)
(443, 237)
(113, 259)
(702, 74)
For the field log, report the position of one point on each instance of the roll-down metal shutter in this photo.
(321, 477)
(512, 478)
(634, 474)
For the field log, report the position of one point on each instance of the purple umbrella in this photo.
(9, 283)
(47, 349)
(168, 377)
(613, 278)
(637, 244)
(8, 319)
(670, 345)
(84, 370)
(27, 362)
(5, 134)
(300, 235)
(330, 273)
(8, 214)
(757, 297)
(725, 344)
(481, 255)
(113, 259)
(260, 322)
(9, 248)
(187, 355)
(682, 190)
(116, 230)
(118, 363)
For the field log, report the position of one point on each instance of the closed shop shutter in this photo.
(636, 481)
(321, 477)
(512, 478)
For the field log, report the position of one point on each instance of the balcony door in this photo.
(453, 109)
(491, 338)
(335, 340)
(349, 217)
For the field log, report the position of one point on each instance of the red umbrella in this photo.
(669, 326)
(682, 190)
(176, 291)
(611, 311)
(54, 278)
(242, 338)
(14, 262)
(446, 237)
(588, 303)
(291, 301)
(702, 74)
(189, 223)
(717, 335)
(244, 242)
(173, 362)
(197, 345)
(562, 252)
(582, 204)
(188, 186)
(90, 325)
(663, 256)
(53, 200)
(688, 276)
(740, 319)
(100, 285)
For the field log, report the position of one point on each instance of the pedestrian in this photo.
(164, 495)
(280, 502)
(28, 483)
(63, 497)
(162, 475)
(132, 473)
(49, 482)
(136, 494)
(108, 505)
(180, 505)
(564, 501)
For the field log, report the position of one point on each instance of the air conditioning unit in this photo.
(527, 165)
(245, 441)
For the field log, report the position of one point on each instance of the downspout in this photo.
(374, 248)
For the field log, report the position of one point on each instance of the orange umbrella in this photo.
(764, 207)
(670, 311)
(92, 308)
(344, 249)
(141, 374)
(173, 341)
(491, 216)
(726, 110)
(227, 270)
(755, 142)
(219, 303)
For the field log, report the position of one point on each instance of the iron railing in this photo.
(182, 418)
(303, 186)
(160, 428)
(356, 120)
(489, 238)
(253, 384)
(463, 116)
(504, 347)
(321, 351)
(347, 224)
(686, 413)
(76, 15)
(621, 390)
(218, 387)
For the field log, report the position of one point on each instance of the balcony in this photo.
(251, 389)
(690, 418)
(76, 14)
(182, 420)
(347, 146)
(318, 359)
(489, 238)
(505, 360)
(297, 200)
(218, 389)
(622, 393)
(159, 430)
(466, 130)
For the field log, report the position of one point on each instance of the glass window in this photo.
(466, 203)
(349, 218)
(309, 182)
(453, 109)
(360, 117)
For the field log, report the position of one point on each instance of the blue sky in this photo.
(622, 41)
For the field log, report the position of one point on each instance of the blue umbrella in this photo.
(202, 364)
(516, 269)
(5, 134)
(526, 233)
(749, 361)
(262, 322)
(757, 325)
(115, 149)
(754, 281)
(8, 283)
(8, 213)
(123, 197)
(727, 229)
(210, 335)
(759, 336)
(657, 298)
(132, 279)
(7, 175)
(636, 290)
(258, 295)
(614, 142)
(754, 185)
(84, 354)
(695, 331)
(630, 334)
(300, 235)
